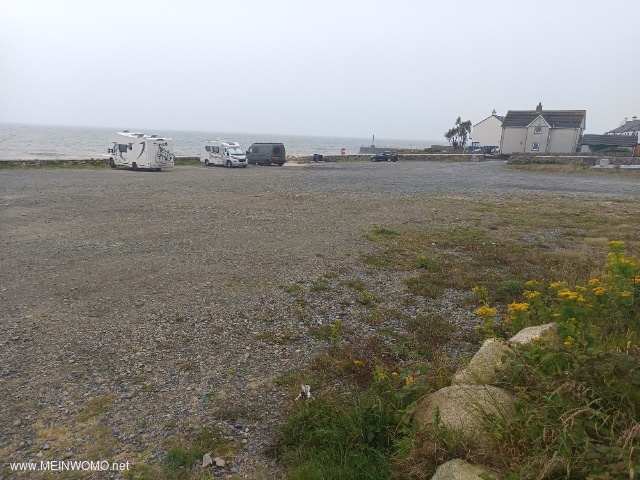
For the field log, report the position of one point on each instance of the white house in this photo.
(628, 127)
(538, 131)
(488, 132)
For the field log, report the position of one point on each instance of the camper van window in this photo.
(207, 148)
(123, 148)
(216, 149)
(235, 151)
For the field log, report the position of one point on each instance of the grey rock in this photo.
(458, 469)
(482, 368)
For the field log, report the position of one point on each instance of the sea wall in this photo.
(434, 157)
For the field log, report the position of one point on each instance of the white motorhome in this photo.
(222, 152)
(138, 150)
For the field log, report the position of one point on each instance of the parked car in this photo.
(385, 157)
(266, 154)
(222, 152)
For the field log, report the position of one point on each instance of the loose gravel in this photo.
(137, 306)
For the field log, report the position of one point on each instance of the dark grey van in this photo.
(266, 154)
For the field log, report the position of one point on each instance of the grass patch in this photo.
(188, 162)
(185, 451)
(385, 232)
(94, 407)
(319, 285)
(577, 403)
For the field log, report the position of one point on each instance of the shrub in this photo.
(578, 402)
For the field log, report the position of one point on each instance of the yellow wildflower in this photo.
(594, 281)
(567, 294)
(518, 307)
(530, 283)
(569, 341)
(486, 311)
(616, 243)
(529, 294)
(410, 380)
(555, 315)
(599, 291)
(357, 362)
(625, 294)
(395, 374)
(555, 285)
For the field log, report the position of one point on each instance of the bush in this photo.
(578, 402)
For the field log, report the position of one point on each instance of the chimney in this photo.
(634, 118)
(539, 108)
(493, 112)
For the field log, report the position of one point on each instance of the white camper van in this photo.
(137, 150)
(222, 152)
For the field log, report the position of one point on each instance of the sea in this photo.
(28, 142)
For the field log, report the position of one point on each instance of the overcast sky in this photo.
(352, 68)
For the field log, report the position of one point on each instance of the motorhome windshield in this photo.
(235, 151)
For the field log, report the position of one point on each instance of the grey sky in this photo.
(402, 69)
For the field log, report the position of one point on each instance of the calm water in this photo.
(23, 142)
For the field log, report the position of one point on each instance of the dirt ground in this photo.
(135, 305)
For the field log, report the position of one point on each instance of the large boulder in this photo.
(463, 408)
(482, 368)
(458, 469)
(548, 333)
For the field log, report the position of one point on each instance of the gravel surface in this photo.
(139, 305)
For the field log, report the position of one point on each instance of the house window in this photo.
(535, 146)
(537, 129)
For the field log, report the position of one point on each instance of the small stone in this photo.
(206, 460)
(219, 462)
(17, 423)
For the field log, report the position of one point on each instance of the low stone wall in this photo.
(434, 157)
(581, 159)
(44, 163)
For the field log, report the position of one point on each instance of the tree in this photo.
(459, 134)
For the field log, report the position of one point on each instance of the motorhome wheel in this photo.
(229, 163)
(112, 164)
(134, 165)
(206, 163)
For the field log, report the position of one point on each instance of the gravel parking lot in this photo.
(136, 305)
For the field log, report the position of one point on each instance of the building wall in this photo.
(513, 140)
(563, 140)
(542, 138)
(487, 133)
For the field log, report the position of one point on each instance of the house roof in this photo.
(490, 116)
(629, 126)
(555, 118)
(610, 140)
